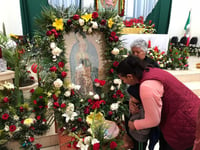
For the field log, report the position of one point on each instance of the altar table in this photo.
(159, 40)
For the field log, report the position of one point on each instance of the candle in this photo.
(0, 53)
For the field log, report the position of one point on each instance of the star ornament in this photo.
(58, 24)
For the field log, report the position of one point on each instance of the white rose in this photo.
(114, 106)
(77, 87)
(58, 83)
(52, 45)
(56, 51)
(117, 81)
(91, 93)
(90, 30)
(115, 51)
(70, 107)
(67, 93)
(96, 97)
(81, 22)
(125, 56)
(97, 84)
(94, 25)
(112, 88)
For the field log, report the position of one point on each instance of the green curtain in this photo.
(160, 16)
(29, 10)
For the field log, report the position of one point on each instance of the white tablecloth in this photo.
(159, 40)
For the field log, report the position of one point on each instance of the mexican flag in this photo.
(187, 29)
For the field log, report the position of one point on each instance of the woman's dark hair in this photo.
(132, 65)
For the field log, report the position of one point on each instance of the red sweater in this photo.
(179, 110)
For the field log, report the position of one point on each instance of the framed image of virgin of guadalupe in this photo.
(85, 59)
(117, 5)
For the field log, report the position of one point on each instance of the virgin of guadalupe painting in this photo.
(85, 62)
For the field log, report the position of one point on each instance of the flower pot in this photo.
(26, 90)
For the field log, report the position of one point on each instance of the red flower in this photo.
(96, 146)
(95, 15)
(113, 34)
(32, 90)
(63, 74)
(31, 139)
(116, 38)
(38, 146)
(103, 22)
(110, 113)
(150, 21)
(5, 99)
(21, 109)
(111, 70)
(121, 95)
(79, 119)
(116, 63)
(53, 30)
(48, 33)
(111, 39)
(56, 35)
(63, 105)
(53, 69)
(72, 92)
(12, 128)
(156, 49)
(56, 104)
(40, 97)
(76, 17)
(113, 145)
(69, 22)
(61, 64)
(44, 120)
(38, 117)
(87, 110)
(55, 97)
(5, 116)
(35, 102)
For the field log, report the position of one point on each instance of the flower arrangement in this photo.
(139, 23)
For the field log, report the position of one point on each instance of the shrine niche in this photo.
(85, 59)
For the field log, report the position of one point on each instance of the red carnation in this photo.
(31, 139)
(5, 116)
(48, 33)
(116, 63)
(61, 64)
(38, 117)
(113, 145)
(63, 74)
(34, 102)
(96, 146)
(116, 38)
(53, 69)
(56, 35)
(76, 17)
(95, 15)
(63, 105)
(111, 70)
(103, 22)
(12, 128)
(69, 22)
(5, 99)
(113, 34)
(38, 146)
(32, 90)
(55, 97)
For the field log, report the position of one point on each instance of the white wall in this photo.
(179, 14)
(10, 15)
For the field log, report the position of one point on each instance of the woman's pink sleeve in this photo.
(151, 92)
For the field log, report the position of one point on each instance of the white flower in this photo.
(97, 84)
(89, 130)
(161, 65)
(125, 56)
(90, 30)
(81, 100)
(87, 140)
(115, 51)
(94, 141)
(114, 106)
(52, 45)
(112, 88)
(81, 145)
(91, 93)
(96, 97)
(49, 104)
(81, 22)
(11, 44)
(70, 114)
(8, 85)
(15, 117)
(67, 93)
(56, 51)
(6, 128)
(117, 81)
(58, 83)
(94, 25)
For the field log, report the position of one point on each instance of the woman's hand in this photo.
(133, 107)
(131, 125)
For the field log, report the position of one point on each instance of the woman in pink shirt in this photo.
(167, 102)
